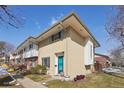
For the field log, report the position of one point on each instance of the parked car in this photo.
(6, 78)
(111, 70)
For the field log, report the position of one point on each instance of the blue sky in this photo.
(38, 18)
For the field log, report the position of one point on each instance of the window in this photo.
(21, 51)
(33, 62)
(91, 51)
(87, 67)
(30, 46)
(56, 36)
(46, 62)
(24, 49)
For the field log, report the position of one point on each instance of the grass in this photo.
(119, 75)
(11, 86)
(38, 78)
(99, 80)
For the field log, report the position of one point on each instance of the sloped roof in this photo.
(102, 55)
(65, 18)
(30, 37)
(59, 22)
(100, 59)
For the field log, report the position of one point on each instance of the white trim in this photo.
(56, 64)
(87, 52)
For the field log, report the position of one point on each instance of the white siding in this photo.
(89, 54)
(32, 52)
(17, 56)
(12, 57)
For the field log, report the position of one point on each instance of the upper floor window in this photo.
(56, 36)
(20, 52)
(30, 46)
(24, 49)
(91, 51)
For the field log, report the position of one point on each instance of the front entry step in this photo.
(57, 77)
(63, 78)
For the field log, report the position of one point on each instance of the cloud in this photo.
(56, 19)
(53, 21)
(37, 24)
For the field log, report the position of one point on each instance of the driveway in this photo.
(28, 83)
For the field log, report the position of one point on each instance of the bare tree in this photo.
(5, 48)
(115, 25)
(2, 45)
(117, 57)
(8, 18)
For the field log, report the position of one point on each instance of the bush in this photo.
(11, 70)
(22, 67)
(26, 72)
(44, 70)
(113, 64)
(79, 77)
(38, 70)
(33, 70)
(18, 72)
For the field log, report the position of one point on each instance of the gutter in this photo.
(66, 49)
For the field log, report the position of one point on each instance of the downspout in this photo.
(94, 57)
(66, 49)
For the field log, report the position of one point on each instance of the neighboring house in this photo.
(4, 58)
(102, 61)
(67, 48)
(13, 57)
(27, 52)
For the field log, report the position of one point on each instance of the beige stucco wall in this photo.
(72, 44)
(75, 54)
(49, 49)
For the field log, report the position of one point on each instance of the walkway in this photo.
(28, 83)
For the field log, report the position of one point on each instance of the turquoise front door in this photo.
(60, 64)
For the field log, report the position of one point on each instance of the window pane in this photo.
(46, 62)
(56, 36)
(91, 51)
(30, 46)
(24, 49)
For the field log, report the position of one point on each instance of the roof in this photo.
(25, 41)
(66, 17)
(100, 59)
(102, 55)
(59, 22)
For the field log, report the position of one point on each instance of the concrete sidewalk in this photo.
(28, 83)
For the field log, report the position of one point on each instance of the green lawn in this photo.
(99, 80)
(11, 86)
